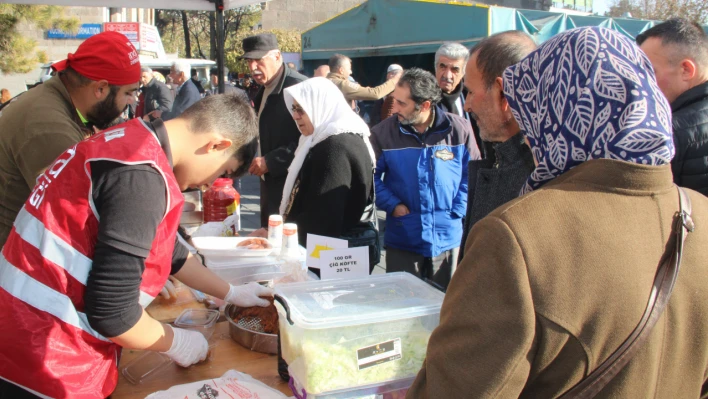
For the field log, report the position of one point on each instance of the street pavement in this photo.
(251, 214)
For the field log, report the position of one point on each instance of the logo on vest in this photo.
(444, 155)
(46, 178)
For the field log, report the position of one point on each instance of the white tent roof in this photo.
(198, 5)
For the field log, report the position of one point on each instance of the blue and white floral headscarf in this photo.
(588, 93)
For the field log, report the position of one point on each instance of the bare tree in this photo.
(695, 10)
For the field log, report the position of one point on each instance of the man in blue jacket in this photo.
(421, 179)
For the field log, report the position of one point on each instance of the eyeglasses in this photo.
(297, 110)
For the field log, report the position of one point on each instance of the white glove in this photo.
(248, 295)
(169, 291)
(188, 347)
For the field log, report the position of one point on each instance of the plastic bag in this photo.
(232, 384)
(227, 228)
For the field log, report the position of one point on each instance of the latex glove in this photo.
(248, 295)
(188, 347)
(169, 290)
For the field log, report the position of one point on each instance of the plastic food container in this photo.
(222, 249)
(345, 334)
(202, 320)
(145, 366)
(388, 390)
(220, 200)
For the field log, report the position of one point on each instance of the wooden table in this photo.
(166, 311)
(226, 355)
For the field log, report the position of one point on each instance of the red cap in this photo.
(105, 56)
(223, 182)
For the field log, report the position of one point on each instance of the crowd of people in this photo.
(535, 184)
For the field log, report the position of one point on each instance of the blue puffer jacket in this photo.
(428, 174)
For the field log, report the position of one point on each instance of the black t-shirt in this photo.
(131, 202)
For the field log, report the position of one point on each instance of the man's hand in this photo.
(258, 167)
(400, 210)
(397, 76)
(152, 115)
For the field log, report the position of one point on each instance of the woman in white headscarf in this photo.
(330, 180)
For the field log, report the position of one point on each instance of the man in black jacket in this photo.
(678, 51)
(497, 178)
(157, 95)
(278, 133)
(450, 61)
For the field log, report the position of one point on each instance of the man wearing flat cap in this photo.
(93, 87)
(278, 133)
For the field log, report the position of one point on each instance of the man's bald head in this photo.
(497, 52)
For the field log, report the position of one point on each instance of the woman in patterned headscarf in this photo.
(553, 282)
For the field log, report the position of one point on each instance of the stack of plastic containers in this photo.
(352, 338)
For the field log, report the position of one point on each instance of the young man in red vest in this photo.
(96, 241)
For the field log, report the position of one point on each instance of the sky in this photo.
(600, 6)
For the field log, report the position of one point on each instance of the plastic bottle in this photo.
(220, 201)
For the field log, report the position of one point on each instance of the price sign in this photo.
(344, 263)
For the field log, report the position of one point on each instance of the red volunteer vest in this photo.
(46, 343)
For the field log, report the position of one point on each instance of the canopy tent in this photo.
(197, 5)
(377, 33)
(194, 5)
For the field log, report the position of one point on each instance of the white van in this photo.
(202, 67)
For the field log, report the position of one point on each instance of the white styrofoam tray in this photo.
(220, 247)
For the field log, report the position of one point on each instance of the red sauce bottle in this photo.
(220, 200)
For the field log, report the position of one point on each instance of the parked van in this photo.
(201, 67)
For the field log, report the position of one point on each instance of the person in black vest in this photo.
(278, 133)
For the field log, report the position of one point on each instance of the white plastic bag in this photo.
(232, 384)
(220, 229)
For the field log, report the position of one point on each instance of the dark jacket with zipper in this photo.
(279, 137)
(690, 123)
(496, 180)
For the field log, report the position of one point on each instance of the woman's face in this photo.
(303, 121)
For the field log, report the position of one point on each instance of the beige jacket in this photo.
(355, 92)
(553, 282)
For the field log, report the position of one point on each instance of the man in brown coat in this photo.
(340, 67)
(553, 282)
(93, 87)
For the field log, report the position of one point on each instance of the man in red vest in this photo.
(96, 241)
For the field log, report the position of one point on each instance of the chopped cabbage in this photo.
(326, 360)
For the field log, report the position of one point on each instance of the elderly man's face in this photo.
(449, 73)
(346, 68)
(264, 69)
(480, 103)
(145, 78)
(177, 77)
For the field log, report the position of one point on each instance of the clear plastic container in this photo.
(388, 390)
(201, 320)
(344, 334)
(145, 366)
(220, 200)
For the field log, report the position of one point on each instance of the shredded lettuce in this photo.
(326, 360)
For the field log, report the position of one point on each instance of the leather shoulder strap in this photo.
(661, 292)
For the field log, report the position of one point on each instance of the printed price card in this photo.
(344, 263)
